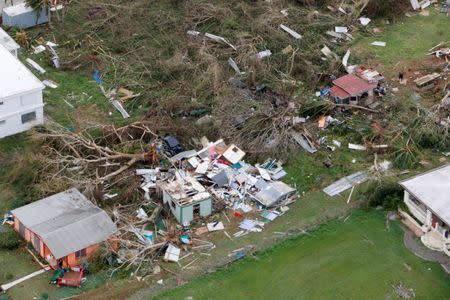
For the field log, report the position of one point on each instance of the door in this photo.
(196, 210)
(434, 223)
(36, 243)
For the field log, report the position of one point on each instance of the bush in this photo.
(384, 192)
(97, 262)
(9, 240)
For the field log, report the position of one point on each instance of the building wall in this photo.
(72, 261)
(12, 109)
(187, 214)
(44, 251)
(419, 212)
(25, 20)
(427, 219)
(174, 207)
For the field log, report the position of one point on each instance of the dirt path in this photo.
(423, 252)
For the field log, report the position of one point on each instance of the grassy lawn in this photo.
(16, 264)
(356, 259)
(409, 39)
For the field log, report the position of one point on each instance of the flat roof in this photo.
(15, 78)
(432, 189)
(17, 9)
(7, 41)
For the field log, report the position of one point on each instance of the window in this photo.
(1, 103)
(81, 253)
(2, 122)
(29, 117)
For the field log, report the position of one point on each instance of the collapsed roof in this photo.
(185, 190)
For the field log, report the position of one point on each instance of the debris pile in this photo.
(196, 188)
(218, 172)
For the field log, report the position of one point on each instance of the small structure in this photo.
(8, 42)
(65, 227)
(427, 197)
(23, 16)
(21, 105)
(273, 193)
(426, 82)
(187, 198)
(351, 88)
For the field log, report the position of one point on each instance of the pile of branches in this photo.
(96, 156)
(260, 121)
(130, 245)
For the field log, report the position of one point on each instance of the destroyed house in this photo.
(351, 88)
(64, 227)
(427, 197)
(426, 82)
(186, 198)
(21, 104)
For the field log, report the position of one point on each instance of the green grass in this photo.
(407, 40)
(307, 171)
(358, 259)
(16, 264)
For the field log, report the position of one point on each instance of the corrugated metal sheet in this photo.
(354, 85)
(346, 183)
(66, 222)
(273, 193)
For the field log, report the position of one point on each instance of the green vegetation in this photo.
(406, 40)
(179, 75)
(9, 240)
(16, 264)
(356, 259)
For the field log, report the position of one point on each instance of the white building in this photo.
(21, 104)
(8, 42)
(427, 197)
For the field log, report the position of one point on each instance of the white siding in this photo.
(20, 93)
(12, 123)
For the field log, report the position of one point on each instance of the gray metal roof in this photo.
(66, 222)
(274, 192)
(432, 189)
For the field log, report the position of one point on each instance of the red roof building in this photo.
(350, 86)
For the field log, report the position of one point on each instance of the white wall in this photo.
(13, 108)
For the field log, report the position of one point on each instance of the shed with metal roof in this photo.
(64, 226)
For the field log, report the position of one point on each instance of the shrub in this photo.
(385, 192)
(9, 240)
(97, 262)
